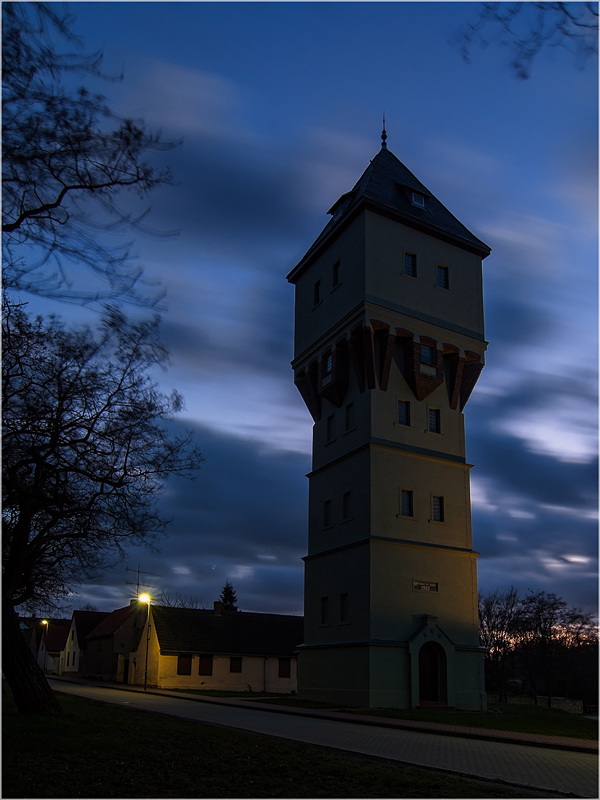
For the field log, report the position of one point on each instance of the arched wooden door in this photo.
(433, 679)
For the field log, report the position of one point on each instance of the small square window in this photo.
(418, 200)
(328, 364)
(344, 607)
(406, 503)
(324, 610)
(347, 505)
(433, 420)
(235, 664)
(327, 518)
(438, 509)
(349, 416)
(428, 355)
(335, 274)
(442, 277)
(410, 265)
(330, 428)
(184, 665)
(403, 412)
(206, 665)
(285, 667)
(317, 293)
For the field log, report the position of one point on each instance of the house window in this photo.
(317, 293)
(184, 664)
(68, 659)
(410, 265)
(324, 610)
(206, 665)
(235, 664)
(442, 277)
(403, 412)
(427, 355)
(406, 503)
(330, 428)
(347, 505)
(418, 200)
(327, 520)
(438, 509)
(349, 416)
(285, 667)
(328, 364)
(335, 277)
(74, 657)
(344, 607)
(433, 420)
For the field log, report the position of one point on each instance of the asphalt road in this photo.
(536, 767)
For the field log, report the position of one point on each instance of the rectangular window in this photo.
(438, 509)
(427, 355)
(442, 277)
(184, 664)
(403, 412)
(330, 428)
(410, 265)
(327, 364)
(335, 278)
(433, 420)
(327, 520)
(349, 416)
(285, 667)
(344, 607)
(406, 503)
(68, 658)
(206, 665)
(324, 610)
(317, 293)
(347, 505)
(235, 664)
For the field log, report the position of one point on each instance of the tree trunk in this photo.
(30, 689)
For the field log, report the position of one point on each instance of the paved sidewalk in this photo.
(538, 768)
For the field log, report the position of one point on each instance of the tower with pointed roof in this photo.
(389, 343)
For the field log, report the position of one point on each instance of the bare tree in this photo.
(527, 28)
(86, 449)
(65, 168)
(499, 614)
(176, 600)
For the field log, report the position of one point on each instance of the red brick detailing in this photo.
(369, 343)
(471, 371)
(335, 390)
(385, 346)
(425, 384)
(306, 382)
(357, 356)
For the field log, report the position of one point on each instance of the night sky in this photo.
(279, 108)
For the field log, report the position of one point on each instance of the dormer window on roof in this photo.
(418, 200)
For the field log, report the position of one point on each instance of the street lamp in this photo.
(144, 598)
(47, 624)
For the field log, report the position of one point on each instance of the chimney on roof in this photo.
(133, 602)
(217, 608)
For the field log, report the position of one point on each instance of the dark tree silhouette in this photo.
(527, 28)
(65, 167)
(228, 597)
(498, 624)
(176, 600)
(85, 452)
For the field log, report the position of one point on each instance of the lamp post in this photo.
(47, 624)
(144, 598)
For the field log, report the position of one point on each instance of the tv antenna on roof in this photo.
(383, 135)
(137, 583)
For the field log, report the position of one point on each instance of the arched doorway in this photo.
(433, 681)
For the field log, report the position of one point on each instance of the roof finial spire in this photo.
(383, 135)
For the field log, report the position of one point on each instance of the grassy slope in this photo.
(97, 750)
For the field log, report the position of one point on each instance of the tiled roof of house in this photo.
(58, 631)
(185, 630)
(387, 186)
(86, 621)
(111, 622)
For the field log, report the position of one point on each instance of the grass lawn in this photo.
(97, 750)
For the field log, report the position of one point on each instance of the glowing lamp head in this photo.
(144, 598)
(44, 622)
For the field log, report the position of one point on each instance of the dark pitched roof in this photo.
(111, 622)
(58, 631)
(191, 630)
(386, 186)
(86, 621)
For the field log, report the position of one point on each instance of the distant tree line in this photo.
(538, 645)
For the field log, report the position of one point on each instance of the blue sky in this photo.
(279, 108)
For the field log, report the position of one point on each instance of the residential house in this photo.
(72, 657)
(54, 637)
(216, 649)
(109, 644)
